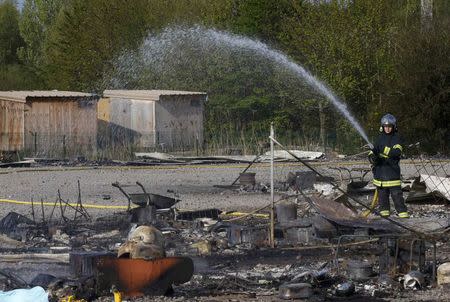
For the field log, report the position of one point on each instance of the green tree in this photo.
(346, 44)
(376, 55)
(419, 93)
(88, 35)
(37, 19)
(10, 38)
(261, 18)
(18, 77)
(13, 74)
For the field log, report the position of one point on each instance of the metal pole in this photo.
(32, 210)
(434, 263)
(272, 209)
(35, 143)
(64, 147)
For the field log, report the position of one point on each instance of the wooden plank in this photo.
(11, 125)
(36, 258)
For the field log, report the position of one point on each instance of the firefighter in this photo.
(385, 158)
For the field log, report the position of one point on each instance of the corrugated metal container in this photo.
(151, 118)
(57, 123)
(11, 124)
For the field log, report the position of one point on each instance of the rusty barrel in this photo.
(286, 211)
(247, 178)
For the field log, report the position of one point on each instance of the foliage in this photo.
(10, 39)
(422, 82)
(377, 56)
(18, 77)
(86, 37)
(36, 21)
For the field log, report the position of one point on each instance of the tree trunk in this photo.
(322, 119)
(426, 13)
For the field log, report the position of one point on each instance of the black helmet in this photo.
(388, 119)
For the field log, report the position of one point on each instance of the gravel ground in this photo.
(194, 184)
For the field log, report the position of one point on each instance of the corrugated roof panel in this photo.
(21, 96)
(150, 95)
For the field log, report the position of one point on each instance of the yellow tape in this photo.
(71, 299)
(52, 204)
(239, 214)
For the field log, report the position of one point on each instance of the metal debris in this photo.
(359, 270)
(301, 180)
(345, 289)
(286, 211)
(82, 263)
(14, 225)
(436, 183)
(295, 291)
(414, 280)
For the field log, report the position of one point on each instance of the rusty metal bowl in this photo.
(138, 277)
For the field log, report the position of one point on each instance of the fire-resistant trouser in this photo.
(397, 196)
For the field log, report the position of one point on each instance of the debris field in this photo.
(203, 232)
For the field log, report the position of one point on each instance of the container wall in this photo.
(125, 124)
(179, 121)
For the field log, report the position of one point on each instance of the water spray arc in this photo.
(156, 51)
(280, 58)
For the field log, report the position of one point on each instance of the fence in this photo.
(59, 146)
(121, 143)
(117, 145)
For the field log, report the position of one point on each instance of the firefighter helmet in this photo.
(388, 120)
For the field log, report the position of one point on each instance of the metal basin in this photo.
(159, 201)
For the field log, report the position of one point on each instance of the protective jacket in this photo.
(385, 158)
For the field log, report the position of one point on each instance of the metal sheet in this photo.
(23, 95)
(342, 215)
(149, 95)
(82, 263)
(179, 121)
(436, 183)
